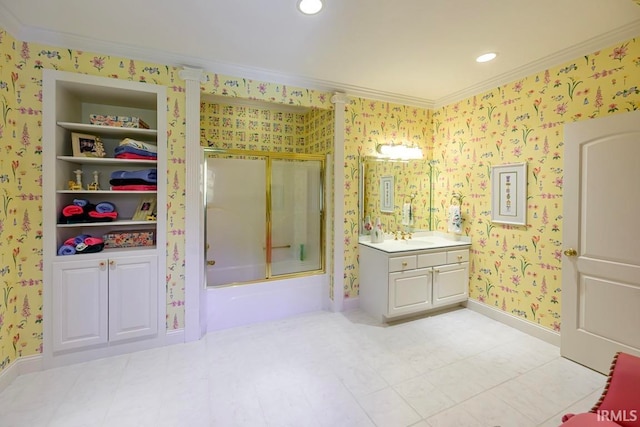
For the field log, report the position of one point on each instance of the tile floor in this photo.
(457, 368)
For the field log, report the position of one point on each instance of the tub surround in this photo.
(412, 276)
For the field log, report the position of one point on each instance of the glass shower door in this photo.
(236, 212)
(296, 216)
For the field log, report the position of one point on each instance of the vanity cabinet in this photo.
(411, 282)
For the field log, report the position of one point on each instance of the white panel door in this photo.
(133, 297)
(601, 238)
(79, 317)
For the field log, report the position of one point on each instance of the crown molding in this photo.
(87, 44)
(10, 23)
(71, 41)
(587, 47)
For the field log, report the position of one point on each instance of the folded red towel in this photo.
(136, 187)
(134, 156)
(90, 241)
(96, 214)
(72, 210)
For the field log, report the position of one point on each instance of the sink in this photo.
(416, 243)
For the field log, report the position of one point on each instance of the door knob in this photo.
(570, 252)
(211, 262)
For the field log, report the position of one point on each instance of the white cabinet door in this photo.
(450, 284)
(409, 291)
(133, 297)
(79, 304)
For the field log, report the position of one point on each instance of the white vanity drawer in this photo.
(402, 263)
(429, 260)
(457, 256)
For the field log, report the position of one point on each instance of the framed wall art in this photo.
(386, 194)
(509, 194)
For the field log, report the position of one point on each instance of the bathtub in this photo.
(242, 304)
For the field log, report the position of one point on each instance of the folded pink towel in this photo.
(72, 210)
(90, 241)
(96, 214)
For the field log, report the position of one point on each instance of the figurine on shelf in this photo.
(94, 186)
(75, 186)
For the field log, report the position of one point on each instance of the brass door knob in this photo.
(211, 262)
(570, 252)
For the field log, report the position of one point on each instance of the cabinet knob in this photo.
(436, 270)
(112, 263)
(459, 258)
(404, 264)
(102, 265)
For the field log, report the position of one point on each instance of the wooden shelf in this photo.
(105, 161)
(103, 192)
(109, 130)
(106, 223)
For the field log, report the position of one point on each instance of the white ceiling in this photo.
(418, 52)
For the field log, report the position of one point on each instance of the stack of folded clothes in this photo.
(82, 244)
(132, 149)
(141, 180)
(81, 210)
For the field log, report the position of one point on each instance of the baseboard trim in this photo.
(350, 304)
(175, 336)
(537, 331)
(22, 365)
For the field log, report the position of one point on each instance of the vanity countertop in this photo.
(419, 241)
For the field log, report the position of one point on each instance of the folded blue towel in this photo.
(105, 207)
(66, 250)
(128, 142)
(80, 238)
(80, 202)
(128, 149)
(148, 175)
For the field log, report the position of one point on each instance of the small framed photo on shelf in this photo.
(145, 210)
(86, 145)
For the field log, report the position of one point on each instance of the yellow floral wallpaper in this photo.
(21, 67)
(367, 124)
(412, 185)
(265, 129)
(517, 269)
(21, 212)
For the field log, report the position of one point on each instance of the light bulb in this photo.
(310, 7)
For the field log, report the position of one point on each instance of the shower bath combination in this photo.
(264, 216)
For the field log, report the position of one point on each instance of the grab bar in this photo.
(278, 247)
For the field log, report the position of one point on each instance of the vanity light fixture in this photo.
(309, 7)
(399, 151)
(490, 56)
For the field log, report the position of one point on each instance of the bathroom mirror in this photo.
(412, 195)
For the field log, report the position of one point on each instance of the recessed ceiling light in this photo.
(486, 57)
(309, 7)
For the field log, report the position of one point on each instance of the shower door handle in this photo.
(279, 247)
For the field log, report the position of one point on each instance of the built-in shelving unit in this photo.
(110, 301)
